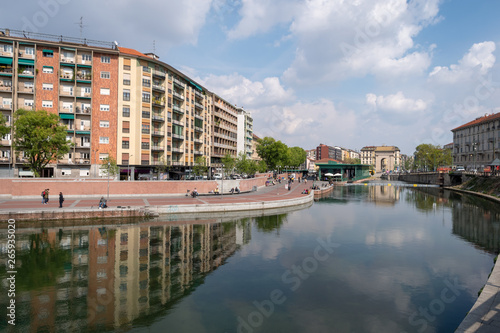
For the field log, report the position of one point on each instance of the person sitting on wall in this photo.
(194, 194)
(217, 190)
(232, 190)
(103, 203)
(237, 190)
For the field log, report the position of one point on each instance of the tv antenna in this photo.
(81, 26)
(154, 46)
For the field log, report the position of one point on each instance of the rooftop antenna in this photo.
(154, 46)
(81, 26)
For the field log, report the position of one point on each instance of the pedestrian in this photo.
(43, 197)
(61, 199)
(46, 196)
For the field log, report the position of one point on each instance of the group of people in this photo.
(45, 197)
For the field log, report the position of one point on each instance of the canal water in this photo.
(363, 259)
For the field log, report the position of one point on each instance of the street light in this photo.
(128, 167)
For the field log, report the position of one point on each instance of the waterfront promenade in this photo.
(264, 197)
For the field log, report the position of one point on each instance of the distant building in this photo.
(324, 151)
(474, 142)
(382, 158)
(245, 133)
(255, 156)
(311, 154)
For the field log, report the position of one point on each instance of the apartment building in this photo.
(475, 143)
(77, 81)
(115, 102)
(164, 118)
(255, 155)
(224, 130)
(245, 133)
(329, 152)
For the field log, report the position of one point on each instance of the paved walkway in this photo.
(267, 193)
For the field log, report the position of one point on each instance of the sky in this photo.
(349, 73)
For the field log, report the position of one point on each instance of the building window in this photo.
(7, 48)
(47, 70)
(105, 75)
(104, 107)
(103, 140)
(105, 60)
(47, 86)
(104, 124)
(146, 97)
(46, 104)
(48, 54)
(105, 91)
(126, 95)
(126, 111)
(103, 156)
(126, 67)
(30, 51)
(146, 82)
(125, 144)
(86, 57)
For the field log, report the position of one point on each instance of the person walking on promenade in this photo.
(46, 196)
(61, 199)
(43, 197)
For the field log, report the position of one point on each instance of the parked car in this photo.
(459, 168)
(217, 176)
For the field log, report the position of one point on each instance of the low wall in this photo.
(32, 187)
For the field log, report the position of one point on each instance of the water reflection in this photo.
(103, 278)
(396, 254)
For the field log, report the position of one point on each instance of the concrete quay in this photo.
(484, 317)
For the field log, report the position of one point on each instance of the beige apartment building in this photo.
(224, 130)
(382, 158)
(245, 133)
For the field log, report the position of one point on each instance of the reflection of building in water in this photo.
(477, 223)
(114, 276)
(384, 195)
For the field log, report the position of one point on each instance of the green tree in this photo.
(296, 156)
(200, 166)
(41, 137)
(429, 157)
(4, 129)
(229, 163)
(274, 153)
(109, 167)
(162, 167)
(262, 166)
(353, 160)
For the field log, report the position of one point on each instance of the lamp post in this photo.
(222, 182)
(128, 167)
(475, 154)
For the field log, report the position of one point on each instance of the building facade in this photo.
(475, 144)
(324, 152)
(382, 158)
(116, 103)
(245, 133)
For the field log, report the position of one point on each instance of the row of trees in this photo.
(42, 138)
(277, 154)
(430, 157)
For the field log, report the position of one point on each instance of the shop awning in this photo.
(82, 132)
(67, 116)
(48, 51)
(27, 62)
(5, 61)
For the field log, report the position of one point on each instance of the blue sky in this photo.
(348, 73)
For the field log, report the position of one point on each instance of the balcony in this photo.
(158, 88)
(198, 116)
(178, 96)
(177, 109)
(158, 102)
(198, 129)
(68, 60)
(198, 106)
(177, 136)
(177, 122)
(177, 150)
(84, 110)
(157, 147)
(84, 76)
(24, 55)
(199, 141)
(83, 145)
(26, 90)
(198, 152)
(177, 163)
(198, 94)
(157, 117)
(7, 87)
(63, 92)
(179, 83)
(158, 73)
(6, 71)
(157, 133)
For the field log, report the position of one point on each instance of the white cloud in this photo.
(479, 60)
(246, 93)
(396, 103)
